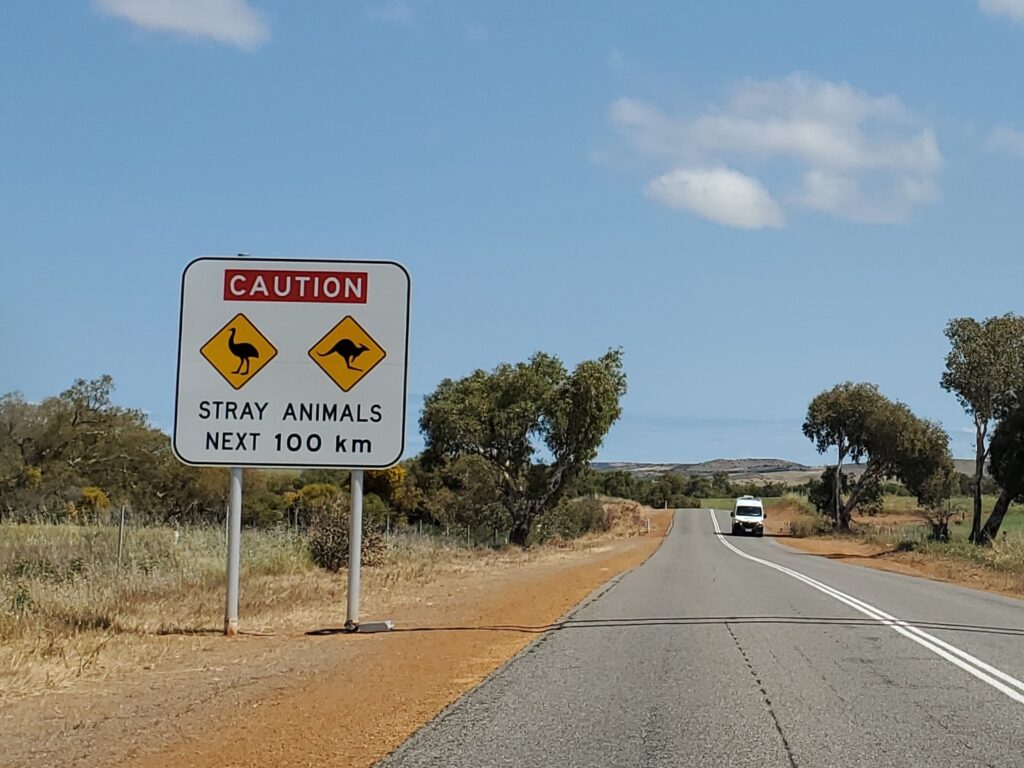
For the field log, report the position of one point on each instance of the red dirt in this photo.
(331, 700)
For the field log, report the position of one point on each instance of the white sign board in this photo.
(289, 363)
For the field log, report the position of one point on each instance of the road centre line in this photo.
(983, 671)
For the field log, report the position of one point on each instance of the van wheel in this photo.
(735, 530)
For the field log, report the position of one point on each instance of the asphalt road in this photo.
(706, 657)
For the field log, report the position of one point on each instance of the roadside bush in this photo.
(327, 539)
(572, 518)
(895, 489)
(938, 519)
(375, 511)
(795, 503)
(810, 525)
(1006, 553)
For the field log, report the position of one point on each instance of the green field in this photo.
(1013, 523)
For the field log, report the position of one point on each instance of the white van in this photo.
(748, 516)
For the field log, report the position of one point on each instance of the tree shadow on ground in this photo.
(692, 621)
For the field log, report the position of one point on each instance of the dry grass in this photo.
(793, 515)
(67, 607)
(898, 539)
(625, 518)
(1005, 554)
(69, 612)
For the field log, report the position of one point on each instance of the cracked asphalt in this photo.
(702, 657)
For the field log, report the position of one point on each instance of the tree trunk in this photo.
(979, 473)
(837, 492)
(522, 521)
(855, 493)
(991, 529)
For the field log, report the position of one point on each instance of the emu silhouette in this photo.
(348, 350)
(243, 351)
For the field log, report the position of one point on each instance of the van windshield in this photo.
(749, 511)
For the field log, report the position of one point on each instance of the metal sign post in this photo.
(355, 550)
(234, 551)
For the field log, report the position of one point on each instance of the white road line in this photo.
(996, 678)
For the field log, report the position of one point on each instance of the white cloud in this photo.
(845, 195)
(719, 194)
(1014, 9)
(1008, 140)
(847, 153)
(391, 12)
(233, 22)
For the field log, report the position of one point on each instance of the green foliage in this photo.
(839, 418)
(375, 511)
(938, 516)
(985, 370)
(570, 519)
(966, 485)
(1008, 455)
(313, 496)
(864, 424)
(80, 440)
(720, 485)
(386, 483)
(821, 493)
(339, 478)
(925, 465)
(894, 489)
(1007, 470)
(302, 504)
(985, 364)
(472, 496)
(503, 416)
(671, 489)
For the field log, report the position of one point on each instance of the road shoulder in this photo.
(296, 699)
(854, 551)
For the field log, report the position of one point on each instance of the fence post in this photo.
(120, 537)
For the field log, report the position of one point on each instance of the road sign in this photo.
(287, 363)
(238, 360)
(347, 353)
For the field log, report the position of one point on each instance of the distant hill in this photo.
(745, 470)
(965, 465)
(738, 470)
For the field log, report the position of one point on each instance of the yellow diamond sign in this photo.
(347, 353)
(238, 351)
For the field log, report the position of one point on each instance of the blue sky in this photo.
(754, 200)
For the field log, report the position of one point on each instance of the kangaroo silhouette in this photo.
(243, 351)
(348, 350)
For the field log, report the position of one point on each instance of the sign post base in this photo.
(372, 627)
